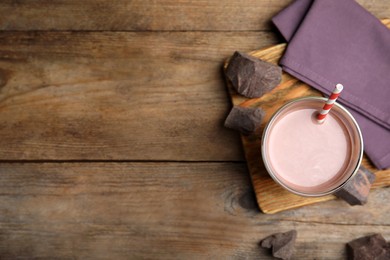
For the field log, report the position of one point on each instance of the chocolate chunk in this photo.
(356, 191)
(252, 77)
(244, 119)
(282, 244)
(370, 247)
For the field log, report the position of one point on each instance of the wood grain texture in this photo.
(162, 211)
(141, 15)
(72, 95)
(271, 197)
(119, 96)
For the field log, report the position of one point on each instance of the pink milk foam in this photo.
(305, 155)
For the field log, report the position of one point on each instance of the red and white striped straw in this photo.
(329, 103)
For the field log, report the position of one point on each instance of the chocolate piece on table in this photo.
(244, 119)
(252, 77)
(369, 247)
(282, 244)
(356, 191)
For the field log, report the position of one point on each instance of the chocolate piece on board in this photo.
(244, 119)
(372, 247)
(356, 191)
(282, 244)
(252, 77)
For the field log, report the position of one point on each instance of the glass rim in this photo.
(270, 124)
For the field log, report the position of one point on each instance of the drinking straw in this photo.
(329, 103)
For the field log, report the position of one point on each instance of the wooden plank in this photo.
(148, 15)
(164, 211)
(120, 96)
(271, 197)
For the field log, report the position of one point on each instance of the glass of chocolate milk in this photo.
(309, 158)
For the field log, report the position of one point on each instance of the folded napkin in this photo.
(338, 41)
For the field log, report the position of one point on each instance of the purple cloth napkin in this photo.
(338, 41)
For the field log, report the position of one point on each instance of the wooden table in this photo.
(111, 137)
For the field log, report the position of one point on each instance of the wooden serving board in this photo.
(271, 197)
